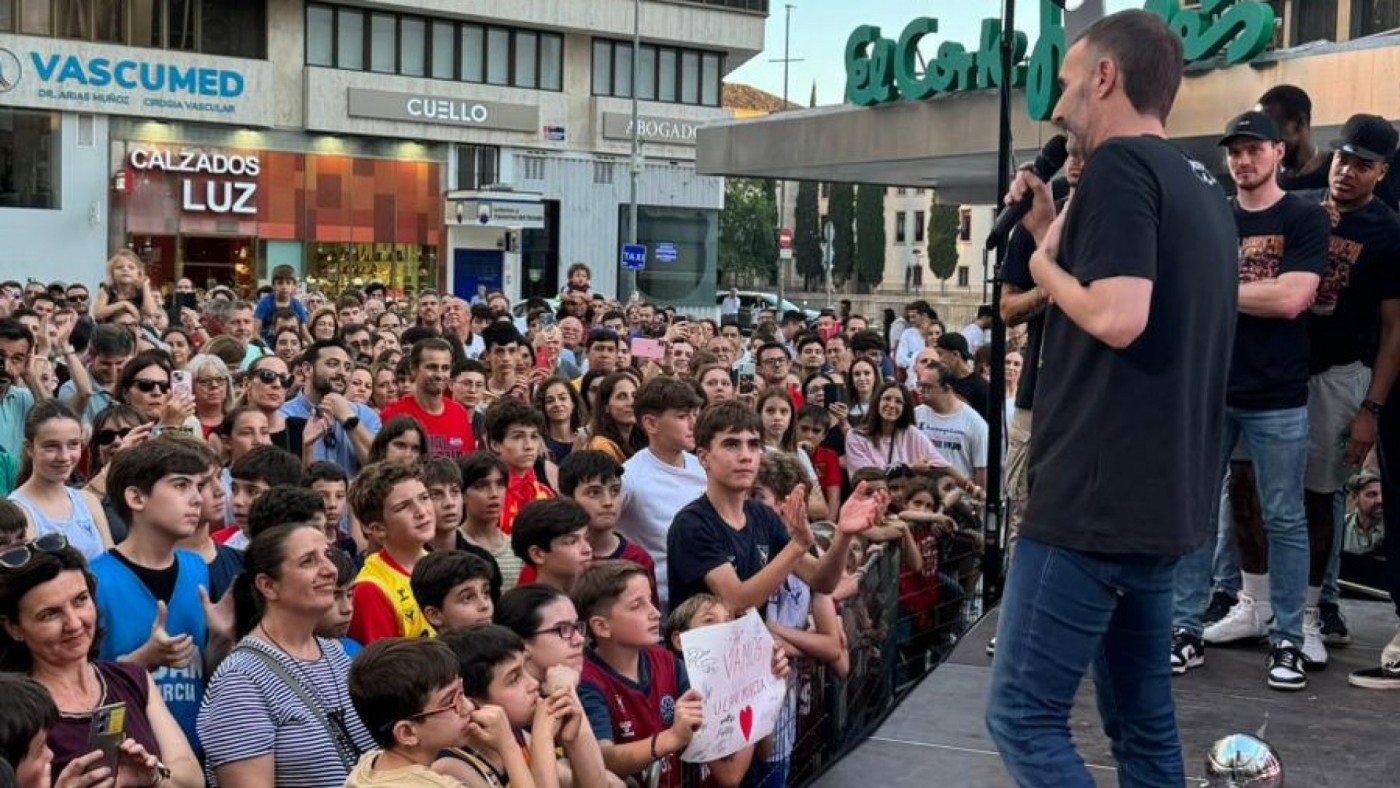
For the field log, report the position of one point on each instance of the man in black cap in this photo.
(1306, 166)
(954, 353)
(1283, 252)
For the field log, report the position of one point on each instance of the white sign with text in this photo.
(731, 666)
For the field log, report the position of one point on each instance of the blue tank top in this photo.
(80, 528)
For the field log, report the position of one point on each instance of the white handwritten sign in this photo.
(731, 666)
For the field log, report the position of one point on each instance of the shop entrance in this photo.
(211, 260)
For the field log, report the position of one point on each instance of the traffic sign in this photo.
(785, 239)
(666, 252)
(634, 257)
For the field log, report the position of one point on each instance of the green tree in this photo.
(842, 213)
(748, 234)
(870, 235)
(807, 238)
(943, 240)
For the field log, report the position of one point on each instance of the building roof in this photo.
(749, 99)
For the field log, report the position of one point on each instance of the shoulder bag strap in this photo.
(344, 746)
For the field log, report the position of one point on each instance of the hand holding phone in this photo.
(180, 383)
(106, 734)
(649, 349)
(744, 379)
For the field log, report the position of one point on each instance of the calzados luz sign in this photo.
(217, 196)
(879, 71)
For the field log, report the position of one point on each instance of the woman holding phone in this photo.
(44, 576)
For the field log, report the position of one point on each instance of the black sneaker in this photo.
(1220, 604)
(1286, 667)
(1334, 627)
(1188, 651)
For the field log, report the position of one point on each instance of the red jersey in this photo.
(520, 490)
(638, 712)
(828, 467)
(918, 591)
(449, 432)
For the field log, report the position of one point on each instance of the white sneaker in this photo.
(1247, 620)
(1314, 652)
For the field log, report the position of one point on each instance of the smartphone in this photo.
(547, 321)
(833, 393)
(543, 360)
(185, 300)
(106, 733)
(650, 349)
(744, 379)
(180, 383)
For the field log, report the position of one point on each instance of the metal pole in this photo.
(629, 277)
(993, 561)
(782, 185)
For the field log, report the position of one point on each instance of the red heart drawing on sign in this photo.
(746, 721)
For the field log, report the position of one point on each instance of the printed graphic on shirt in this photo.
(446, 446)
(1342, 254)
(1260, 257)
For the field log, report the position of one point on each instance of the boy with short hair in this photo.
(594, 481)
(551, 538)
(813, 423)
(443, 478)
(738, 549)
(225, 563)
(151, 597)
(335, 624)
(283, 296)
(513, 433)
(629, 679)
(453, 589)
(483, 494)
(252, 475)
(408, 694)
(391, 501)
(332, 483)
(12, 524)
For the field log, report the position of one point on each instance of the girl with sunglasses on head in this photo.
(268, 388)
(59, 652)
(145, 385)
(53, 443)
(277, 710)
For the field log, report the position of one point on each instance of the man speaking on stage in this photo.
(1142, 274)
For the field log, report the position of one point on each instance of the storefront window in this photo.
(498, 56)
(350, 39)
(320, 36)
(413, 40)
(444, 50)
(29, 157)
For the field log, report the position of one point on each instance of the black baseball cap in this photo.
(955, 342)
(1369, 137)
(1254, 124)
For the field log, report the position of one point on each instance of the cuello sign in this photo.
(880, 71)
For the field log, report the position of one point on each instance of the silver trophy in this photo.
(1244, 761)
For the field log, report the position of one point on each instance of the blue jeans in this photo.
(1225, 565)
(1063, 613)
(1331, 588)
(1278, 446)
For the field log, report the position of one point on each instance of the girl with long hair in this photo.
(53, 444)
(888, 436)
(613, 429)
(563, 412)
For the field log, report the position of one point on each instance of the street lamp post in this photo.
(629, 277)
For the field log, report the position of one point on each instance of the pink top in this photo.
(909, 446)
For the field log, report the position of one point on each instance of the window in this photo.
(498, 56)
(682, 76)
(826, 190)
(381, 43)
(473, 54)
(180, 26)
(350, 39)
(1315, 20)
(551, 62)
(29, 156)
(963, 279)
(1374, 16)
(964, 225)
(413, 43)
(527, 52)
(477, 166)
(919, 227)
(231, 29)
(603, 173)
(444, 50)
(320, 36)
(532, 168)
(899, 220)
(7, 16)
(87, 131)
(36, 19)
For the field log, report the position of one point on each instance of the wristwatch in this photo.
(1371, 406)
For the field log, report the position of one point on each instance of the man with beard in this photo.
(430, 309)
(1141, 270)
(337, 430)
(1283, 251)
(447, 423)
(1305, 166)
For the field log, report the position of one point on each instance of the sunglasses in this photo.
(105, 437)
(147, 386)
(18, 557)
(566, 629)
(269, 377)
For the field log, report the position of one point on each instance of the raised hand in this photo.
(793, 510)
(218, 617)
(162, 649)
(862, 510)
(690, 715)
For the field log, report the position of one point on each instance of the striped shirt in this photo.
(249, 712)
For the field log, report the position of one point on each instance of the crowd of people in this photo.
(424, 540)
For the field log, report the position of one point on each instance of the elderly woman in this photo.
(145, 385)
(278, 710)
(49, 620)
(213, 391)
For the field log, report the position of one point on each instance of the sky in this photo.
(820, 29)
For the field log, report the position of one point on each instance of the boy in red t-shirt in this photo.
(594, 480)
(813, 421)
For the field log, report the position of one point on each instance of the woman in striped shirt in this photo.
(278, 711)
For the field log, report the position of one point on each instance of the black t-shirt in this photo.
(975, 391)
(1016, 269)
(1388, 190)
(1124, 455)
(1269, 369)
(699, 540)
(160, 582)
(1363, 269)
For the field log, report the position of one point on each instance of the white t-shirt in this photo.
(975, 335)
(961, 437)
(911, 344)
(652, 493)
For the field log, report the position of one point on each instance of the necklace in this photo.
(101, 697)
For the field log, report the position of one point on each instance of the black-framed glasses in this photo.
(566, 629)
(105, 437)
(19, 556)
(268, 377)
(146, 386)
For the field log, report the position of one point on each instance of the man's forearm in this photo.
(1018, 306)
(1387, 361)
(1270, 299)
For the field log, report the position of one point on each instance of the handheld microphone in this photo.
(1052, 157)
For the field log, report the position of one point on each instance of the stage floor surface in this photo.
(1329, 735)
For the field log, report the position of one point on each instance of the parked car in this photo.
(751, 302)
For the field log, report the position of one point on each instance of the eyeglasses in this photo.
(105, 437)
(147, 386)
(460, 704)
(268, 377)
(18, 557)
(210, 383)
(773, 362)
(78, 297)
(566, 629)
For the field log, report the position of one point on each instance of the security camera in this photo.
(483, 213)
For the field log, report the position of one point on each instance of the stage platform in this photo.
(1329, 735)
